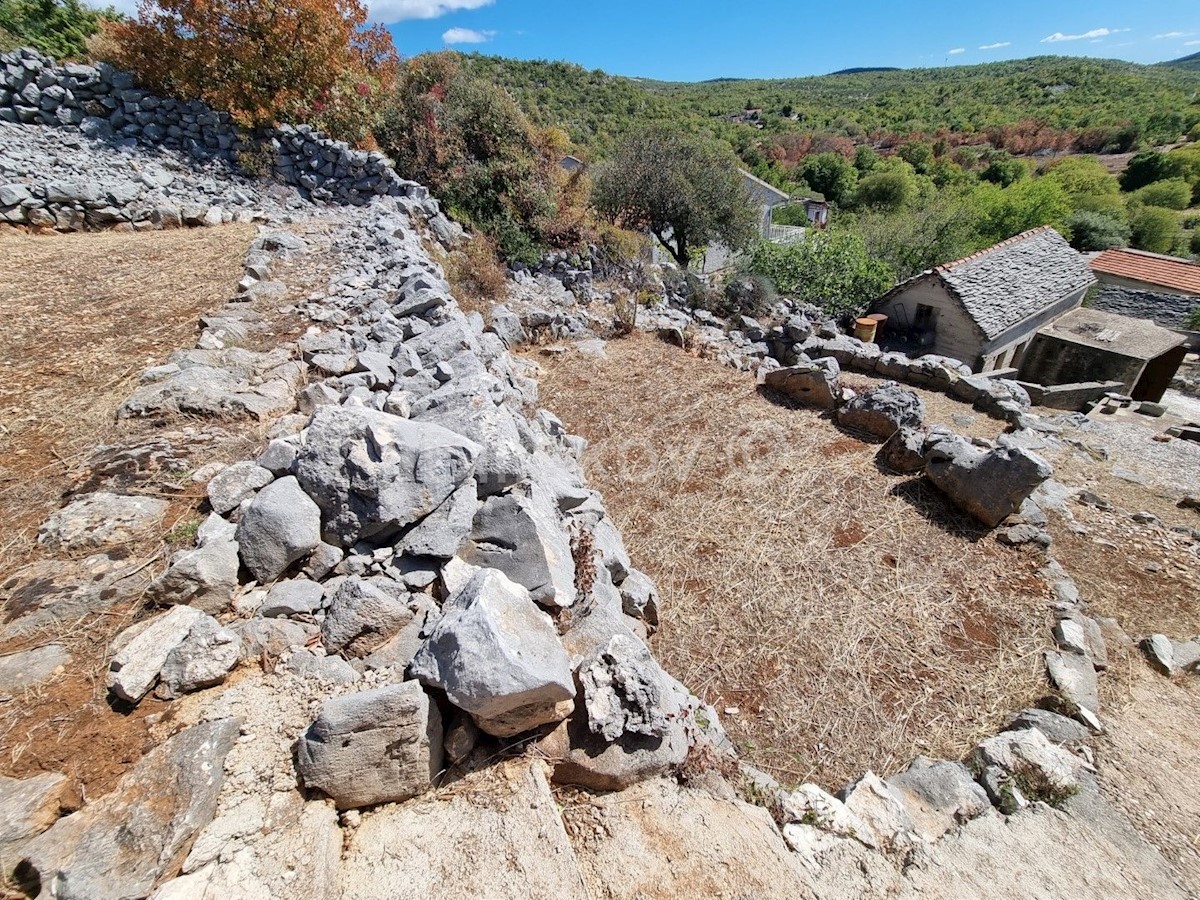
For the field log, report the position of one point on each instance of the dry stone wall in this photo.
(104, 105)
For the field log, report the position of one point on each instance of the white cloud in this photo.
(1191, 43)
(400, 10)
(1094, 33)
(467, 36)
(996, 46)
(1173, 34)
(956, 51)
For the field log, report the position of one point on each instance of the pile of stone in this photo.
(106, 106)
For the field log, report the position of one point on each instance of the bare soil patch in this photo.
(86, 314)
(838, 618)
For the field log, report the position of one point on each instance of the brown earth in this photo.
(840, 619)
(87, 313)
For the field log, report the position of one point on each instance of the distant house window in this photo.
(924, 318)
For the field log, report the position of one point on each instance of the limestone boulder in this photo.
(280, 527)
(813, 384)
(883, 410)
(377, 746)
(498, 657)
(989, 484)
(101, 519)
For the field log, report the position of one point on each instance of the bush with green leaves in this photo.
(1004, 170)
(1194, 244)
(1020, 207)
(1092, 231)
(58, 28)
(746, 295)
(830, 269)
(1170, 193)
(832, 175)
(889, 190)
(1154, 229)
(1146, 168)
(470, 143)
(685, 189)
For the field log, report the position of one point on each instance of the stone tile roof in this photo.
(1117, 334)
(1151, 268)
(1016, 279)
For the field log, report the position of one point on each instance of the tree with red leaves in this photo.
(263, 61)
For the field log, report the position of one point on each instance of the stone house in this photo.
(986, 308)
(1163, 289)
(1088, 345)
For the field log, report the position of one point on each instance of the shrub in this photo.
(263, 62)
(1091, 231)
(1170, 193)
(625, 310)
(746, 295)
(831, 269)
(885, 190)
(476, 276)
(1154, 229)
(1146, 168)
(831, 175)
(467, 139)
(1004, 170)
(1194, 244)
(58, 28)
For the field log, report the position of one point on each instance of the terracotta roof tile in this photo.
(1150, 268)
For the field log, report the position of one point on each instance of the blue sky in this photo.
(779, 38)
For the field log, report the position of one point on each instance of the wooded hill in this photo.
(1159, 102)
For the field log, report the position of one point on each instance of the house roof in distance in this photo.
(1116, 334)
(1012, 281)
(1151, 268)
(762, 191)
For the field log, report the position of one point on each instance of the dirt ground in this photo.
(86, 314)
(840, 619)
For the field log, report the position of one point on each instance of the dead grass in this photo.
(839, 619)
(86, 313)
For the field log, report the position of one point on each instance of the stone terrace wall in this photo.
(104, 104)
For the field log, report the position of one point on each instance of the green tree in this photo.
(891, 190)
(682, 188)
(1004, 170)
(1154, 229)
(58, 28)
(1146, 168)
(831, 269)
(1092, 231)
(918, 154)
(1020, 207)
(470, 143)
(1082, 176)
(832, 175)
(1170, 193)
(943, 228)
(865, 159)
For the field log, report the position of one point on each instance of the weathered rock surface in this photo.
(145, 648)
(505, 821)
(279, 528)
(497, 656)
(204, 577)
(882, 410)
(29, 668)
(519, 534)
(904, 452)
(880, 808)
(202, 660)
(378, 746)
(295, 597)
(120, 846)
(990, 485)
(101, 520)
(624, 691)
(236, 483)
(377, 475)
(28, 806)
(1057, 728)
(938, 795)
(361, 617)
(1075, 678)
(1034, 763)
(813, 384)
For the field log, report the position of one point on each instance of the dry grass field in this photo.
(840, 619)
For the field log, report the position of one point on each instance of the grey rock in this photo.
(295, 597)
(271, 638)
(1029, 754)
(281, 526)
(989, 485)
(379, 746)
(1160, 653)
(361, 617)
(639, 598)
(882, 811)
(236, 483)
(28, 807)
(506, 325)
(881, 411)
(376, 475)
(497, 656)
(144, 649)
(813, 384)
(29, 668)
(1075, 678)
(120, 846)
(623, 691)
(202, 660)
(1057, 728)
(206, 576)
(904, 452)
(938, 795)
(320, 667)
(279, 458)
(101, 519)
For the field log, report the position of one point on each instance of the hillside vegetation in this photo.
(1186, 62)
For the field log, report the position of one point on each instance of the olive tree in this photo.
(684, 189)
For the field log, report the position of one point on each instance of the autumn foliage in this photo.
(264, 61)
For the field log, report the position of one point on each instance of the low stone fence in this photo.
(104, 104)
